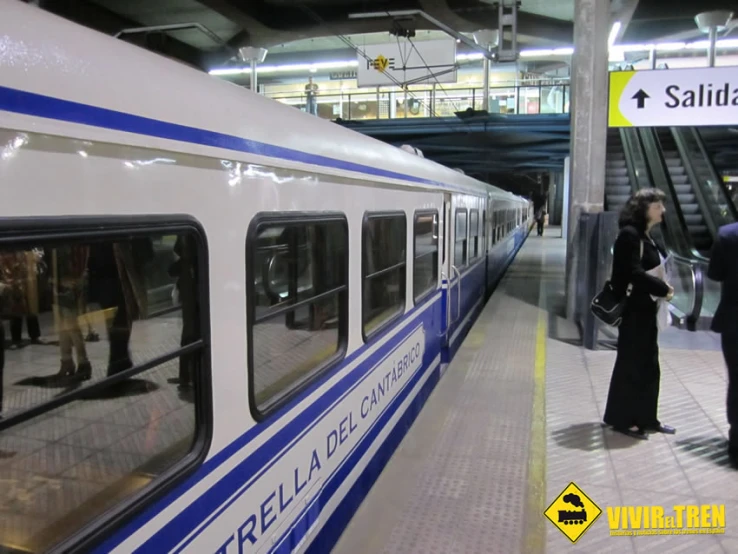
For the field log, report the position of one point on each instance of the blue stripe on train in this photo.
(38, 105)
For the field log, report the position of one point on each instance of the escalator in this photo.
(648, 168)
(617, 181)
(687, 196)
(697, 204)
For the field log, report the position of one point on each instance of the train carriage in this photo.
(275, 298)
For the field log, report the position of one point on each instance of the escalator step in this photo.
(687, 201)
(618, 199)
(694, 219)
(616, 171)
(617, 181)
(619, 190)
(698, 230)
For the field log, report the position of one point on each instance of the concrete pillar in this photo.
(588, 119)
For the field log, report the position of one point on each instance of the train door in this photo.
(447, 263)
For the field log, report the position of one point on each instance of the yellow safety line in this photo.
(535, 527)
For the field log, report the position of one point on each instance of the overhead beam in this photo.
(529, 24)
(622, 11)
(106, 21)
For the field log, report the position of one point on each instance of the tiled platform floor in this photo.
(462, 480)
(458, 481)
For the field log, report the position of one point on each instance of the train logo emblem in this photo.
(380, 63)
(573, 512)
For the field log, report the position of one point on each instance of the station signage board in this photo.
(673, 97)
(420, 62)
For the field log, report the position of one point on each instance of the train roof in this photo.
(56, 69)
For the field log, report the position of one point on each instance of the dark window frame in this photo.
(322, 369)
(30, 231)
(377, 331)
(427, 292)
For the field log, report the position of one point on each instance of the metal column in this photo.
(712, 47)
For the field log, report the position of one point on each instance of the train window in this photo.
(484, 232)
(474, 234)
(103, 395)
(297, 271)
(425, 268)
(383, 267)
(461, 240)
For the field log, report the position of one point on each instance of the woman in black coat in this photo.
(632, 402)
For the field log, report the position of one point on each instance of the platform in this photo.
(517, 417)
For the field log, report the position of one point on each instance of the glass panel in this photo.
(92, 308)
(474, 233)
(295, 262)
(288, 347)
(385, 239)
(425, 270)
(460, 246)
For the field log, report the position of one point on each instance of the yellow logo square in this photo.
(573, 512)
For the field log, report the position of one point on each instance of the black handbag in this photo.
(608, 306)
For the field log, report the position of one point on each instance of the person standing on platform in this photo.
(311, 92)
(632, 401)
(724, 269)
(539, 211)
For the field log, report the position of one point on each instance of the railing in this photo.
(434, 102)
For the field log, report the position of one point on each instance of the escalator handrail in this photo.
(714, 172)
(686, 159)
(629, 164)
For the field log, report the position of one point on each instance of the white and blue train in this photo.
(283, 292)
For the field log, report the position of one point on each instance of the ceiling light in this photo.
(613, 33)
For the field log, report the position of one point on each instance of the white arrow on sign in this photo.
(674, 97)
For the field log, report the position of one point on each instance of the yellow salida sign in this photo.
(572, 512)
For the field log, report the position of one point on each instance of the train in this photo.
(243, 307)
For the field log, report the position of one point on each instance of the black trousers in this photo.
(729, 343)
(634, 386)
(540, 226)
(16, 327)
(110, 295)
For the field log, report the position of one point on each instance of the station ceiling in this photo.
(299, 31)
(313, 25)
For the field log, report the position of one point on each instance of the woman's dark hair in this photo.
(635, 211)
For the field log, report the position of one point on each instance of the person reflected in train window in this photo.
(69, 267)
(116, 281)
(184, 269)
(632, 401)
(20, 273)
